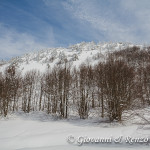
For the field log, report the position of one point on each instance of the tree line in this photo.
(121, 82)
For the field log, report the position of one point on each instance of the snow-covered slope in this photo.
(75, 55)
(40, 131)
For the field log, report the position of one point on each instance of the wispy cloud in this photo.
(13, 43)
(140, 10)
(26, 26)
(104, 17)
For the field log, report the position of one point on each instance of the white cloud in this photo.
(13, 43)
(79, 20)
(141, 11)
(106, 21)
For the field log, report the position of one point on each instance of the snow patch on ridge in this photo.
(88, 53)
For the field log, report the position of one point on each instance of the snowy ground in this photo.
(40, 132)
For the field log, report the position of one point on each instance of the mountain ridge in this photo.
(85, 52)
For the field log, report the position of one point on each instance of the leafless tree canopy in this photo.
(120, 83)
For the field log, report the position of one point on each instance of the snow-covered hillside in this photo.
(64, 108)
(75, 55)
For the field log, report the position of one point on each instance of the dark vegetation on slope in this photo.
(120, 83)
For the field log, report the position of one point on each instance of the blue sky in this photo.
(27, 25)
